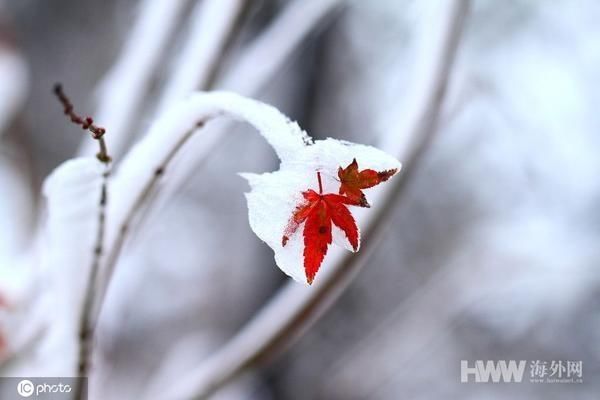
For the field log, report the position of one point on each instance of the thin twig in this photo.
(85, 324)
(86, 123)
(295, 308)
(86, 328)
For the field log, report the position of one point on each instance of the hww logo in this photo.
(483, 371)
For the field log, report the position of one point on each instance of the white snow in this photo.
(274, 196)
(73, 194)
(137, 169)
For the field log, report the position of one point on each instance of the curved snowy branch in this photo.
(295, 308)
(271, 49)
(146, 164)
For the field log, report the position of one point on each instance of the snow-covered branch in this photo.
(271, 49)
(294, 309)
(147, 163)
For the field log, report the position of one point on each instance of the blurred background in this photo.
(492, 250)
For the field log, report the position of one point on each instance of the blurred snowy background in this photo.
(492, 252)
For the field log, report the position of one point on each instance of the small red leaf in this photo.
(319, 211)
(353, 181)
(317, 238)
(342, 218)
(299, 216)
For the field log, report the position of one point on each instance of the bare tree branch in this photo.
(136, 180)
(295, 308)
(310, 12)
(85, 328)
(86, 332)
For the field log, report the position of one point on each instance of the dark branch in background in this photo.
(86, 322)
(86, 123)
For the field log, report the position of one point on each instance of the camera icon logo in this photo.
(25, 388)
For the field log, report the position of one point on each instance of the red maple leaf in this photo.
(320, 211)
(353, 181)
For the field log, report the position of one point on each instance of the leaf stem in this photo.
(320, 183)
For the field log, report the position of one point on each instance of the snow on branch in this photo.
(145, 165)
(271, 49)
(72, 191)
(274, 196)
